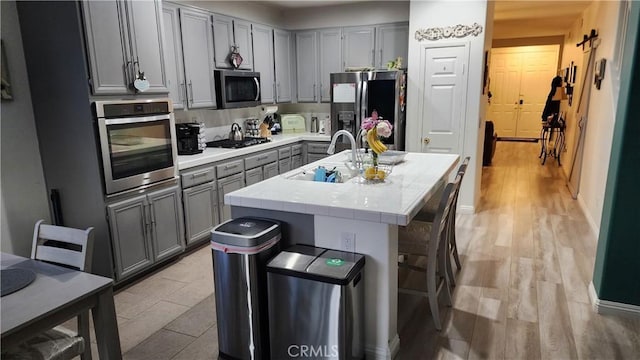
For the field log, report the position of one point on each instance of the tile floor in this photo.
(527, 257)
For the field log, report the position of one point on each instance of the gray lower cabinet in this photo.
(145, 229)
(316, 151)
(284, 165)
(225, 186)
(315, 157)
(253, 176)
(270, 170)
(296, 161)
(200, 211)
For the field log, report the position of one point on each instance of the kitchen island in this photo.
(356, 216)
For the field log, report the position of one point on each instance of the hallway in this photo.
(527, 257)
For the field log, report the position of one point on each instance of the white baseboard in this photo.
(466, 209)
(374, 352)
(606, 307)
(594, 228)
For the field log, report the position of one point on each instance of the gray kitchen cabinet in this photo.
(222, 40)
(128, 222)
(315, 157)
(296, 161)
(242, 40)
(166, 222)
(283, 70)
(330, 51)
(307, 65)
(124, 39)
(270, 170)
(359, 47)
(228, 32)
(225, 186)
(200, 211)
(392, 41)
(146, 229)
(263, 61)
(173, 55)
(197, 47)
(316, 151)
(253, 176)
(284, 165)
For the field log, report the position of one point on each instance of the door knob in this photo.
(427, 140)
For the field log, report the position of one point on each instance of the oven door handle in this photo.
(131, 120)
(257, 88)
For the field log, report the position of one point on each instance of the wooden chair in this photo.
(430, 239)
(71, 248)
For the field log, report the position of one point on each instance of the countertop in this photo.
(394, 201)
(218, 154)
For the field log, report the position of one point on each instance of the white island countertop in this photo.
(394, 201)
(219, 154)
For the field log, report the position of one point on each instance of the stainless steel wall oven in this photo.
(137, 142)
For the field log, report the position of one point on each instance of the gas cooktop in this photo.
(236, 144)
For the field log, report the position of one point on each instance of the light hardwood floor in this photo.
(527, 257)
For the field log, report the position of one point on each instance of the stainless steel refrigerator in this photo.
(355, 95)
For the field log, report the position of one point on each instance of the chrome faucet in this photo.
(353, 167)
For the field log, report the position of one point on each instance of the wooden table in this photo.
(55, 296)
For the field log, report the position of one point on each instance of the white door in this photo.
(538, 70)
(442, 104)
(263, 53)
(520, 82)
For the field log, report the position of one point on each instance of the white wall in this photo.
(360, 13)
(603, 16)
(22, 191)
(425, 14)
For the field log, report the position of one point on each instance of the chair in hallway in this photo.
(71, 248)
(427, 214)
(430, 240)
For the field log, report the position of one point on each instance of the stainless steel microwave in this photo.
(138, 142)
(237, 89)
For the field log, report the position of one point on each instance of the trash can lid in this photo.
(245, 231)
(330, 266)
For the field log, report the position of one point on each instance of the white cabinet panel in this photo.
(222, 40)
(392, 41)
(330, 45)
(197, 46)
(263, 61)
(358, 46)
(173, 55)
(242, 37)
(283, 69)
(307, 65)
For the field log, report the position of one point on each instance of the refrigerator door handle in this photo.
(364, 108)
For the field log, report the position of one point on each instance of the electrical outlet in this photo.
(348, 241)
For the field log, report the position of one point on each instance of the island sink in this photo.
(343, 173)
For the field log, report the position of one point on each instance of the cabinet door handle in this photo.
(373, 56)
(274, 92)
(182, 91)
(229, 167)
(191, 89)
(198, 174)
(314, 92)
(427, 141)
(380, 58)
(153, 216)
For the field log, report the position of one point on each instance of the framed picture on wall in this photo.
(7, 94)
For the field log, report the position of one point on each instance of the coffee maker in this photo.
(190, 139)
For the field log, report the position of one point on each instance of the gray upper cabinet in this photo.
(166, 222)
(242, 37)
(283, 70)
(222, 40)
(263, 61)
(307, 65)
(173, 55)
(359, 47)
(392, 41)
(330, 45)
(124, 38)
(197, 45)
(229, 32)
(129, 225)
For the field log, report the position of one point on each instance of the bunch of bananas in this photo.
(376, 145)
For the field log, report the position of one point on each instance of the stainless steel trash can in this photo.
(241, 249)
(316, 304)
